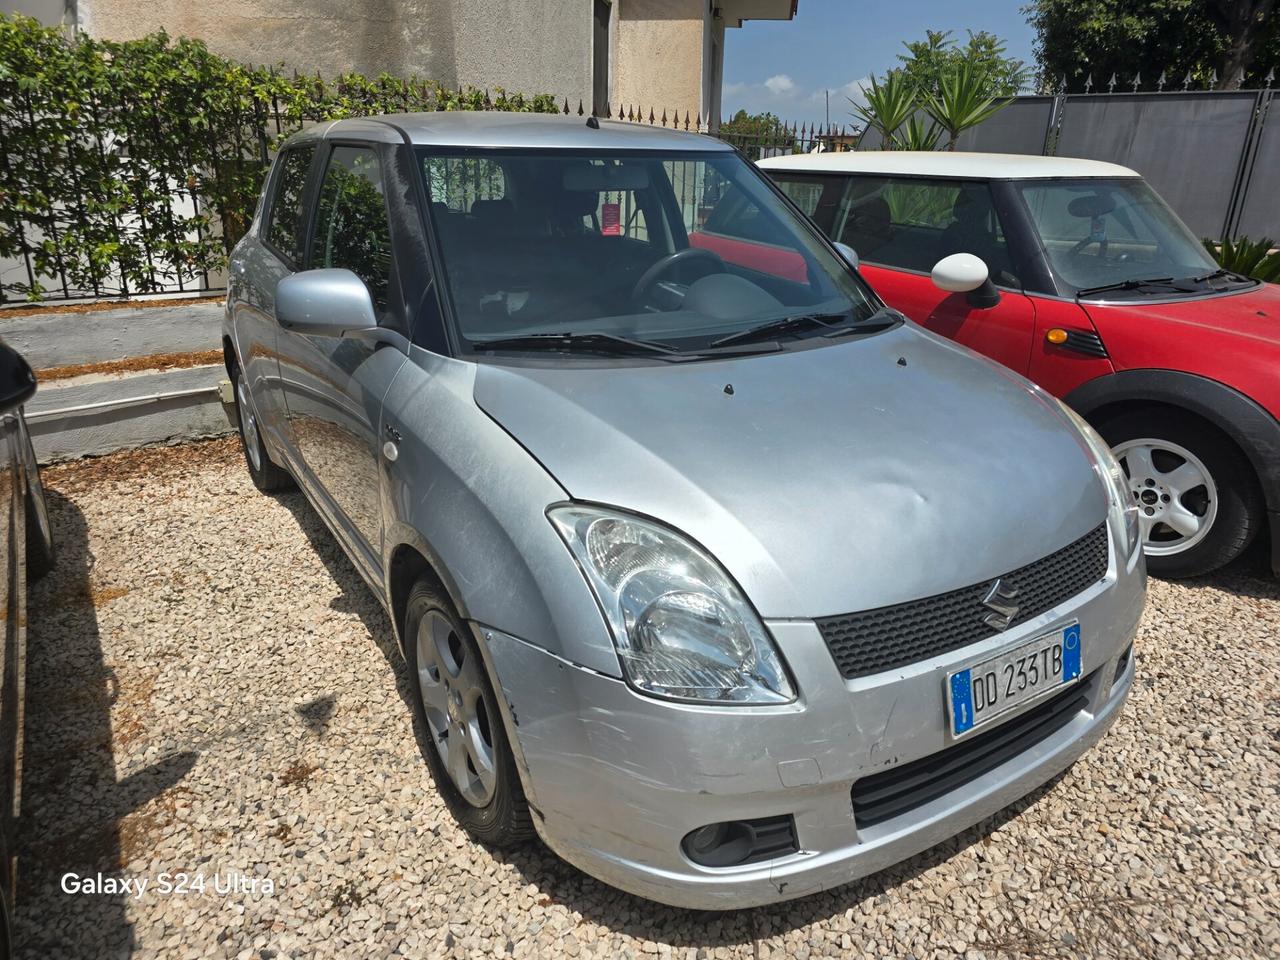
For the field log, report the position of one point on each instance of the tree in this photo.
(765, 126)
(963, 100)
(957, 87)
(1245, 26)
(1077, 38)
(927, 61)
(889, 103)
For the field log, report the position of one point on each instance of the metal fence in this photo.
(1214, 155)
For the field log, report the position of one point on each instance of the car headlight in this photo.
(682, 627)
(1113, 476)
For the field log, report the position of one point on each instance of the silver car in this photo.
(712, 570)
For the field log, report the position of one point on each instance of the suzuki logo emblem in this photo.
(1000, 600)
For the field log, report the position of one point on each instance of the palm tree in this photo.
(915, 135)
(888, 105)
(962, 101)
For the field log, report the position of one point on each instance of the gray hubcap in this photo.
(451, 686)
(248, 424)
(1176, 496)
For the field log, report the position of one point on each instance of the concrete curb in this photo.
(97, 414)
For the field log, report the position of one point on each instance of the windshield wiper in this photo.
(1135, 284)
(882, 319)
(1221, 274)
(772, 328)
(610, 343)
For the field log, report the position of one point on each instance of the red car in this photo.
(1077, 275)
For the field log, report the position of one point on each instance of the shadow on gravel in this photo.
(356, 598)
(618, 911)
(73, 807)
(1250, 575)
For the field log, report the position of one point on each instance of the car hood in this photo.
(1254, 314)
(826, 480)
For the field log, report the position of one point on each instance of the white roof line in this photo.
(986, 166)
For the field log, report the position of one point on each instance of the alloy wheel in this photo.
(1176, 495)
(451, 685)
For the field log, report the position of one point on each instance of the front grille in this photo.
(871, 641)
(882, 796)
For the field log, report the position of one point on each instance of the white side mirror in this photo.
(849, 254)
(959, 273)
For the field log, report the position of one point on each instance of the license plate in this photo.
(987, 689)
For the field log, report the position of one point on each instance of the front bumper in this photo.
(617, 779)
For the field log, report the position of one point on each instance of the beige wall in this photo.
(527, 46)
(658, 55)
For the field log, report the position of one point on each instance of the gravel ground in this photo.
(213, 690)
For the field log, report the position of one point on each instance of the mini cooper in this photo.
(1076, 274)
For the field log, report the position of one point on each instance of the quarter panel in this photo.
(478, 499)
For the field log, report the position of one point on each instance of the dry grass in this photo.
(188, 459)
(97, 306)
(157, 361)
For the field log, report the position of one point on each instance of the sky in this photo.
(784, 67)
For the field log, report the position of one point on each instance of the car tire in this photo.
(1229, 505)
(465, 740)
(41, 555)
(267, 476)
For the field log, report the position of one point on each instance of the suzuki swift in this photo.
(708, 568)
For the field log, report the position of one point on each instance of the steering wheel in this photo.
(1083, 245)
(672, 260)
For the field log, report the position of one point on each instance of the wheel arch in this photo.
(1254, 431)
(229, 358)
(409, 558)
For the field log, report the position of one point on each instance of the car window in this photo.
(286, 217)
(905, 223)
(623, 243)
(913, 223)
(351, 228)
(804, 194)
(1099, 231)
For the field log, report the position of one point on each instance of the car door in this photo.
(333, 387)
(264, 258)
(901, 226)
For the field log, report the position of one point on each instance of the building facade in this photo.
(659, 54)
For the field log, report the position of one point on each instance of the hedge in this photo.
(135, 166)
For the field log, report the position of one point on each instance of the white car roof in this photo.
(983, 166)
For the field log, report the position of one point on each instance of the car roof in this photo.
(496, 129)
(983, 166)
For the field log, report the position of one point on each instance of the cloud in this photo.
(780, 84)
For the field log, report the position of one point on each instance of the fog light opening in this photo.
(1122, 664)
(736, 842)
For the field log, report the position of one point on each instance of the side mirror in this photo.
(331, 302)
(965, 273)
(849, 254)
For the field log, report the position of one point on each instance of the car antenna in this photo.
(593, 123)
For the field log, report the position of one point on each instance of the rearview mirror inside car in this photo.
(965, 273)
(331, 302)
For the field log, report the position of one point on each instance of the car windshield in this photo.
(673, 254)
(1118, 237)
